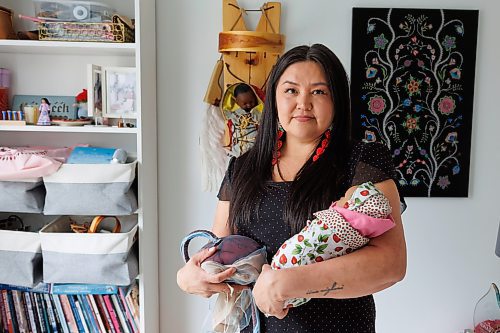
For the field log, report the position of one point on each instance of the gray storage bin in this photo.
(22, 195)
(86, 189)
(96, 258)
(21, 253)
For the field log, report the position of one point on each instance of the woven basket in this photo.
(118, 31)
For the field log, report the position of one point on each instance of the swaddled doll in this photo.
(233, 312)
(336, 231)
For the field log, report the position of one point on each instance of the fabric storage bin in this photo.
(20, 251)
(23, 195)
(91, 189)
(96, 258)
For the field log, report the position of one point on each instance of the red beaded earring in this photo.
(279, 144)
(324, 143)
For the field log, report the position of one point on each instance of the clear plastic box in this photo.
(72, 11)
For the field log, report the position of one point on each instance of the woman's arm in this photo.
(221, 226)
(372, 268)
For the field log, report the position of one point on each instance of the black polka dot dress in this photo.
(368, 162)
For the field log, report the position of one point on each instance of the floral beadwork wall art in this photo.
(412, 86)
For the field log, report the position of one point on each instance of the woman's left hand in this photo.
(264, 293)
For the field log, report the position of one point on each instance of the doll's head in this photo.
(245, 97)
(45, 101)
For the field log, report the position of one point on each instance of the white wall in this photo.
(451, 259)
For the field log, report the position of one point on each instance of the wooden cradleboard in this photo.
(247, 57)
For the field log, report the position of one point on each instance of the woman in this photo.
(302, 160)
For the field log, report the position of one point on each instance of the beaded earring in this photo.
(279, 144)
(324, 143)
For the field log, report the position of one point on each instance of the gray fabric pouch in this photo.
(20, 251)
(85, 189)
(23, 195)
(95, 258)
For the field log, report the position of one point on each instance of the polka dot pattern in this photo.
(368, 162)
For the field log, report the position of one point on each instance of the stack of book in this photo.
(68, 308)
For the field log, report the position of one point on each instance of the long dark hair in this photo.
(316, 184)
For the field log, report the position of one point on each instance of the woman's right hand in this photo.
(194, 280)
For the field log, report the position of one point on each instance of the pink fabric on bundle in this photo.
(366, 225)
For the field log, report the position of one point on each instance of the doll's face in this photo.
(247, 100)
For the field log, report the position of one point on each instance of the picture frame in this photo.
(120, 92)
(95, 92)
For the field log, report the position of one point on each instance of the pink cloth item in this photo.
(24, 163)
(366, 225)
(60, 154)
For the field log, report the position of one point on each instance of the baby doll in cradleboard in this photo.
(336, 231)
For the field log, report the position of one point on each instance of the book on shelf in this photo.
(79, 310)
(50, 313)
(38, 315)
(74, 309)
(95, 311)
(128, 311)
(13, 317)
(83, 289)
(102, 307)
(30, 311)
(132, 298)
(88, 314)
(120, 314)
(20, 314)
(25, 310)
(112, 314)
(45, 314)
(8, 315)
(68, 313)
(60, 313)
(65, 288)
(3, 313)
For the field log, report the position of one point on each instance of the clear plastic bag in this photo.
(487, 312)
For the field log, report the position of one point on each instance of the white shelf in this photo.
(79, 48)
(68, 129)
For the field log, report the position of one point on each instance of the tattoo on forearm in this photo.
(326, 291)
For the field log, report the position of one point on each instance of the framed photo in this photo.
(120, 92)
(95, 95)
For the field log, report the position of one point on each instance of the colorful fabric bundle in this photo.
(336, 231)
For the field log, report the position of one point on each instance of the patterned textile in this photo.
(336, 231)
(23, 163)
(412, 84)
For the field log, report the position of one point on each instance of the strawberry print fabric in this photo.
(336, 231)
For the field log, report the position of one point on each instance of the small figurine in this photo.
(44, 117)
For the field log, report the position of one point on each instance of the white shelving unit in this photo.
(59, 68)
